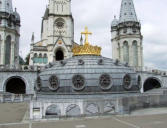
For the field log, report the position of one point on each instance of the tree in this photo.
(27, 59)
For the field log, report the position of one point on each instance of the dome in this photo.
(17, 15)
(86, 74)
(115, 22)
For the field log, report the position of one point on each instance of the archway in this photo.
(59, 55)
(151, 83)
(16, 86)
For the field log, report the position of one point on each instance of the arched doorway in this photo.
(59, 55)
(16, 86)
(151, 83)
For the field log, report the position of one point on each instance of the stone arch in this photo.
(125, 51)
(16, 85)
(151, 83)
(53, 111)
(8, 42)
(59, 54)
(135, 53)
(73, 110)
(92, 109)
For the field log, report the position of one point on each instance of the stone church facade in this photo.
(57, 34)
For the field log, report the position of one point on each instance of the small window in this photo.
(125, 30)
(125, 3)
(130, 3)
(125, 14)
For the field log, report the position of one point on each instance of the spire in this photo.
(127, 12)
(32, 38)
(6, 6)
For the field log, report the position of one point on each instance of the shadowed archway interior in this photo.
(150, 84)
(16, 86)
(59, 55)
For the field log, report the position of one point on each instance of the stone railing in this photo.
(151, 70)
(15, 98)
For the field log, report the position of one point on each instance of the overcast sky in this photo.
(97, 15)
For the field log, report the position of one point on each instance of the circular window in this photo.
(54, 83)
(38, 84)
(78, 82)
(127, 82)
(59, 23)
(105, 81)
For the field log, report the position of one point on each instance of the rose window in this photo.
(54, 83)
(105, 81)
(127, 82)
(78, 82)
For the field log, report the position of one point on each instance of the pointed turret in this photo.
(6, 6)
(127, 12)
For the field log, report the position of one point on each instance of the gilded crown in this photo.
(86, 49)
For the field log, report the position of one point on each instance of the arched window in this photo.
(126, 51)
(7, 50)
(40, 59)
(119, 51)
(35, 58)
(135, 53)
(45, 59)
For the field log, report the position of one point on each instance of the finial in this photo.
(81, 40)
(32, 38)
(86, 33)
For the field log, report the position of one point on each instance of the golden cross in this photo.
(86, 33)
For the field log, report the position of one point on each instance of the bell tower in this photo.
(126, 36)
(57, 34)
(9, 34)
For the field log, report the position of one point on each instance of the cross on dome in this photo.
(86, 33)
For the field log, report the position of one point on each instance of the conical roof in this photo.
(127, 12)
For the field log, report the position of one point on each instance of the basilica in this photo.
(68, 79)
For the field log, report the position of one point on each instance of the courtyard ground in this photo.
(13, 116)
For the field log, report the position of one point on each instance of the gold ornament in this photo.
(86, 49)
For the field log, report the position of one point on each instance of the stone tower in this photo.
(126, 36)
(9, 34)
(57, 34)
